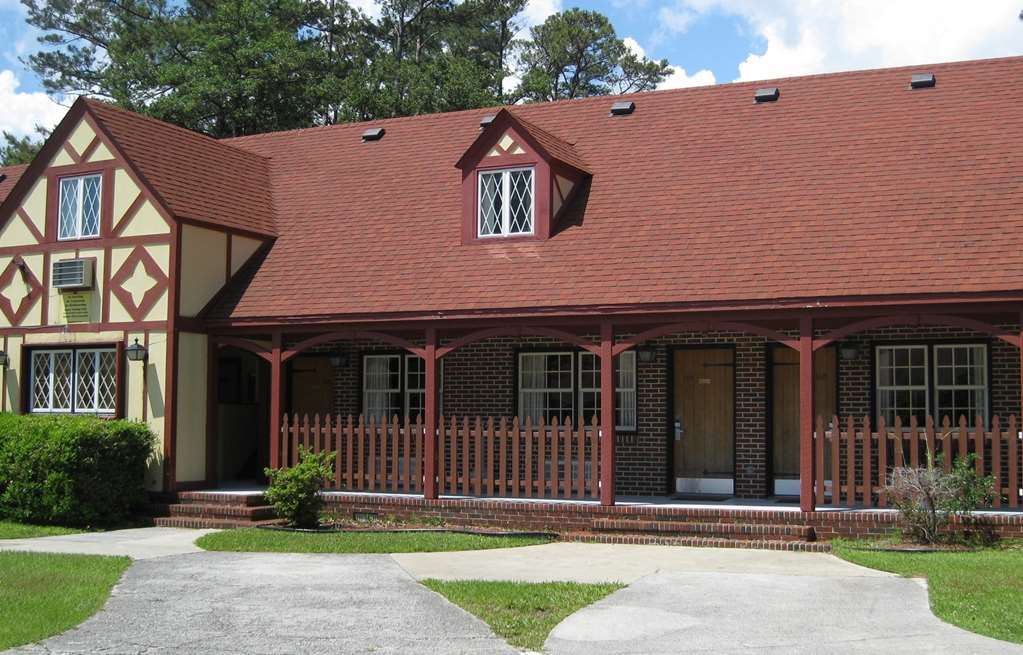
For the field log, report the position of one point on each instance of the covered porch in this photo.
(454, 438)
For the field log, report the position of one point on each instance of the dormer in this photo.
(517, 181)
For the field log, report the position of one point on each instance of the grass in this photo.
(43, 594)
(12, 530)
(255, 540)
(980, 591)
(521, 613)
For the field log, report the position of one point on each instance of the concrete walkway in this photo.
(139, 543)
(251, 604)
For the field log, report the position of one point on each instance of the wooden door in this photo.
(704, 413)
(785, 407)
(312, 386)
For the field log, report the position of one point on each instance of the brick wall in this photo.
(479, 379)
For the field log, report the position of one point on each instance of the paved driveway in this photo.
(253, 604)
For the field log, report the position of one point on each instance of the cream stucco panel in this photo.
(11, 400)
(62, 158)
(82, 137)
(145, 222)
(203, 267)
(17, 289)
(72, 338)
(565, 185)
(494, 152)
(134, 374)
(155, 399)
(191, 412)
(16, 233)
(125, 193)
(35, 205)
(241, 249)
(506, 141)
(101, 153)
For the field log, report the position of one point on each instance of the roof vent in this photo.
(373, 134)
(768, 94)
(486, 121)
(623, 108)
(922, 81)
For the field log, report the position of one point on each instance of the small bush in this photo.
(72, 470)
(928, 498)
(295, 492)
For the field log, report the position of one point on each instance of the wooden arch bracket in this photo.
(913, 320)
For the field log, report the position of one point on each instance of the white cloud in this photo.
(537, 11)
(21, 112)
(679, 79)
(676, 19)
(368, 7)
(818, 36)
(634, 47)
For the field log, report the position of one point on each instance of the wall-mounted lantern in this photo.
(3, 359)
(646, 355)
(136, 352)
(339, 360)
(849, 352)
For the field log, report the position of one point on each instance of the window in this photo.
(74, 381)
(79, 207)
(950, 381)
(505, 205)
(384, 395)
(960, 381)
(902, 383)
(546, 389)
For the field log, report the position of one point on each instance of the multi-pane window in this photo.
(625, 388)
(944, 380)
(388, 391)
(960, 381)
(546, 387)
(902, 383)
(79, 381)
(505, 203)
(79, 205)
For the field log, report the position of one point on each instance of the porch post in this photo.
(430, 422)
(276, 399)
(607, 415)
(807, 502)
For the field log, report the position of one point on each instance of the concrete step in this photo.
(208, 523)
(737, 531)
(699, 542)
(213, 511)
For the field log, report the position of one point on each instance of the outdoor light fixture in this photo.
(136, 352)
(337, 360)
(849, 353)
(3, 359)
(646, 355)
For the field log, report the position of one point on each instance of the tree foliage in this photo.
(16, 150)
(236, 67)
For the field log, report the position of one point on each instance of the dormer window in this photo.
(506, 203)
(79, 207)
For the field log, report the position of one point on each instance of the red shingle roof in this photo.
(12, 175)
(197, 177)
(850, 185)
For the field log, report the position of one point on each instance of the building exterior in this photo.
(640, 296)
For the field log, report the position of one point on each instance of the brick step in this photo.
(738, 531)
(207, 523)
(206, 511)
(699, 542)
(217, 498)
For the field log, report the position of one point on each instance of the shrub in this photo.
(72, 470)
(928, 498)
(295, 492)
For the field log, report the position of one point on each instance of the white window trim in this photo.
(969, 387)
(626, 355)
(409, 390)
(80, 206)
(522, 390)
(505, 174)
(95, 380)
(74, 409)
(926, 387)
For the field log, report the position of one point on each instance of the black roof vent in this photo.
(768, 94)
(373, 134)
(922, 81)
(486, 121)
(623, 108)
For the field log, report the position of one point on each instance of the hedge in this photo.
(72, 470)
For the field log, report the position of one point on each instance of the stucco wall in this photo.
(191, 401)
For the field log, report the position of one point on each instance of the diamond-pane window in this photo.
(506, 202)
(81, 381)
(80, 199)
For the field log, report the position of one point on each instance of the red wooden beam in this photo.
(807, 502)
(247, 345)
(517, 331)
(607, 415)
(430, 423)
(276, 399)
(330, 337)
(685, 326)
(915, 319)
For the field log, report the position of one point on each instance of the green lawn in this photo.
(521, 613)
(980, 591)
(12, 530)
(272, 541)
(43, 594)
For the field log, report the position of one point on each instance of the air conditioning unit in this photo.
(72, 274)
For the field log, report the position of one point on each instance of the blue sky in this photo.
(708, 41)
